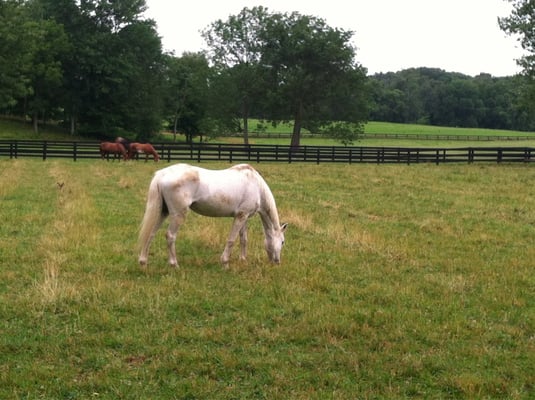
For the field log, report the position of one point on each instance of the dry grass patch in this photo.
(72, 230)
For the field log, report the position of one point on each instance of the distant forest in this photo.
(436, 97)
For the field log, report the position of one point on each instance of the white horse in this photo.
(238, 192)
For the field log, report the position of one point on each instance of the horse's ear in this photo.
(283, 227)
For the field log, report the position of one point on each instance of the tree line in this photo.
(98, 68)
(436, 97)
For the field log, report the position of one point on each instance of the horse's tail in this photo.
(152, 219)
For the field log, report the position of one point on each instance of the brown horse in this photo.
(123, 141)
(144, 148)
(117, 149)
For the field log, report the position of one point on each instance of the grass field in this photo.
(396, 282)
(14, 129)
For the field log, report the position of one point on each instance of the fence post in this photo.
(74, 150)
(44, 149)
(470, 155)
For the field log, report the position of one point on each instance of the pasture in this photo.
(396, 281)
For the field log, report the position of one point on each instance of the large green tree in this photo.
(236, 48)
(316, 79)
(186, 100)
(98, 61)
(288, 67)
(122, 64)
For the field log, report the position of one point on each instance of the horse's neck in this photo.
(268, 212)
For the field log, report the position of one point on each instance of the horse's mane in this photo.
(269, 206)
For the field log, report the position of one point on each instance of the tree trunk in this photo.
(73, 124)
(174, 126)
(35, 120)
(296, 134)
(245, 130)
(245, 114)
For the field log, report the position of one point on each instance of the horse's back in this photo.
(212, 192)
(112, 146)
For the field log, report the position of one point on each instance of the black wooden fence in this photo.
(203, 152)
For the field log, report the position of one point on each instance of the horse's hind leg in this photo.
(175, 221)
(243, 241)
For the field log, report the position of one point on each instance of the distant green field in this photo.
(372, 128)
(414, 129)
(11, 129)
(270, 135)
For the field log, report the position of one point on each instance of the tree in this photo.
(236, 51)
(288, 67)
(521, 22)
(112, 73)
(186, 106)
(15, 28)
(46, 72)
(140, 66)
(315, 78)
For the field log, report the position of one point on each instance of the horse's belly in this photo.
(210, 209)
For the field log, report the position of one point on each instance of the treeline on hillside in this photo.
(436, 97)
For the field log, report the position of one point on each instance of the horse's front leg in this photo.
(175, 221)
(237, 227)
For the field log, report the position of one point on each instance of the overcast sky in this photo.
(390, 35)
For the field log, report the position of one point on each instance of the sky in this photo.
(390, 35)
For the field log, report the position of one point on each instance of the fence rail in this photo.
(409, 136)
(203, 152)
(446, 137)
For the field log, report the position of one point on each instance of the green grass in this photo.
(12, 129)
(18, 130)
(401, 129)
(396, 282)
(414, 129)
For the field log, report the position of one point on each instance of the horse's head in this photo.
(274, 244)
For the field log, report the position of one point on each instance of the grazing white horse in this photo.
(238, 192)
